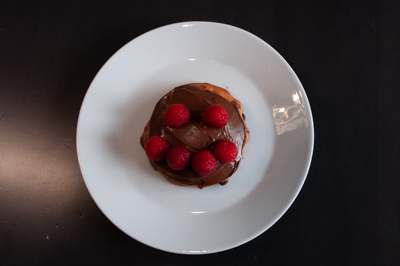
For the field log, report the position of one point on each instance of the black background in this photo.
(346, 54)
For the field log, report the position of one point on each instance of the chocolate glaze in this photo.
(195, 136)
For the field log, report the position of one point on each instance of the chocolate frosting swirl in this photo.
(195, 136)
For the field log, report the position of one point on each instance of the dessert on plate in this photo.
(196, 136)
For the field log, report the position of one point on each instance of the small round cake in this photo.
(208, 126)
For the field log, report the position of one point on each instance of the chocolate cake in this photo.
(195, 135)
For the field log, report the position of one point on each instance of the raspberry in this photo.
(215, 116)
(156, 148)
(176, 115)
(178, 157)
(204, 162)
(225, 151)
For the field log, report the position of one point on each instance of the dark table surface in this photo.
(346, 55)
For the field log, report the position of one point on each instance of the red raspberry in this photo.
(204, 162)
(156, 148)
(225, 151)
(176, 115)
(215, 116)
(178, 157)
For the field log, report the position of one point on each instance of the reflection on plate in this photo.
(187, 220)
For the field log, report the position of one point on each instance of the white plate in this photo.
(187, 220)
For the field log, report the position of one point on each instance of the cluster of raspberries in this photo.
(203, 162)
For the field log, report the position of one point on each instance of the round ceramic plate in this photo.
(188, 220)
